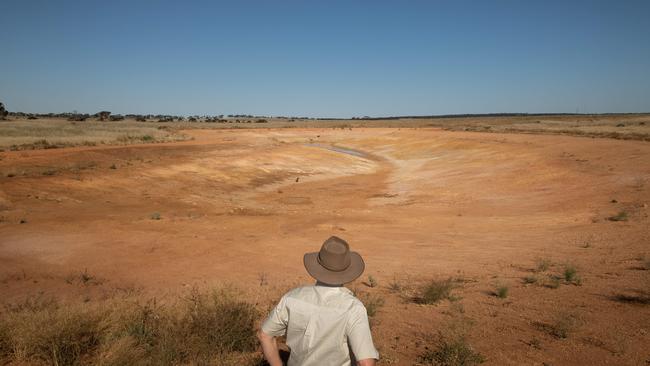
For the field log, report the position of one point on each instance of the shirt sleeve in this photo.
(276, 323)
(359, 337)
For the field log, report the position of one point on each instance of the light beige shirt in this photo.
(323, 324)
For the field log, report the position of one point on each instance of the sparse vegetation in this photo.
(51, 134)
(395, 286)
(571, 275)
(561, 326)
(501, 291)
(542, 265)
(451, 352)
(205, 328)
(155, 216)
(436, 290)
(372, 282)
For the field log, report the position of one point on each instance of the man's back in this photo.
(323, 324)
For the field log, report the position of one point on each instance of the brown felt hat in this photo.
(335, 264)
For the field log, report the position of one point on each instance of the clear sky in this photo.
(325, 58)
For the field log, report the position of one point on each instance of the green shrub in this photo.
(502, 291)
(571, 275)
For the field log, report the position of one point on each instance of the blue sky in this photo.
(325, 58)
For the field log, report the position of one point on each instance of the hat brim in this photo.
(326, 276)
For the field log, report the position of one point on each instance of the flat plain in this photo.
(553, 209)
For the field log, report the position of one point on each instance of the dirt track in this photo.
(242, 206)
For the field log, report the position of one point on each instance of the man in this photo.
(325, 324)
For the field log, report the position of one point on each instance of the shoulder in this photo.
(299, 291)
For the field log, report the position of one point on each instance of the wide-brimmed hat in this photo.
(335, 264)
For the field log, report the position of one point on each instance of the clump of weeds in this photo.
(435, 291)
(501, 291)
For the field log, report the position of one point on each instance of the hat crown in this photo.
(334, 254)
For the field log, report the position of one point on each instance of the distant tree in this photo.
(141, 118)
(116, 117)
(3, 112)
(103, 115)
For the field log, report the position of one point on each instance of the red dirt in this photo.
(241, 205)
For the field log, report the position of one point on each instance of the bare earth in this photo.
(242, 206)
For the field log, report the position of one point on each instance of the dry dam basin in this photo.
(529, 248)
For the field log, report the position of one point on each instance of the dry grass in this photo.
(435, 291)
(214, 328)
(451, 347)
(455, 352)
(562, 325)
(52, 133)
(57, 133)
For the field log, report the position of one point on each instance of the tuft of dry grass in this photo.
(435, 291)
(562, 325)
(203, 328)
(455, 352)
(571, 275)
(501, 291)
(451, 347)
(542, 265)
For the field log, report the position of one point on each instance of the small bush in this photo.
(155, 216)
(501, 291)
(436, 291)
(571, 275)
(455, 352)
